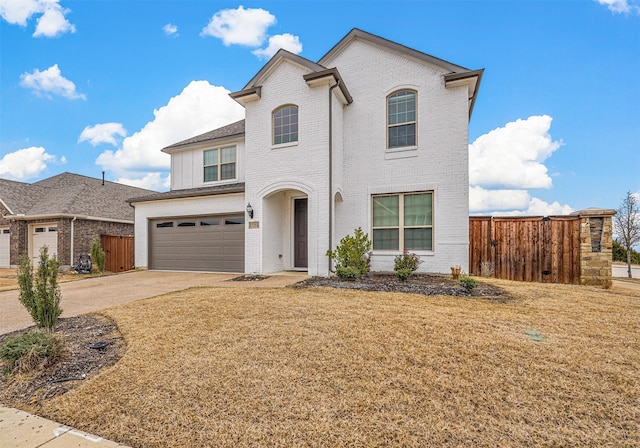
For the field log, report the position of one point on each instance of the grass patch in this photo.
(325, 367)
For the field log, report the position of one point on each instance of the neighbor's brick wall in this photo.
(440, 162)
(596, 244)
(84, 232)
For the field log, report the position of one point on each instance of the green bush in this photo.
(40, 294)
(619, 253)
(405, 264)
(97, 255)
(348, 273)
(352, 256)
(25, 351)
(467, 282)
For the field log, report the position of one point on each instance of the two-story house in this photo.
(373, 135)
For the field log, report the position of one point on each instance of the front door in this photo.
(300, 233)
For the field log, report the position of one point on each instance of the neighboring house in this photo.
(373, 135)
(65, 213)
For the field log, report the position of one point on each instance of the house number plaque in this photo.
(254, 224)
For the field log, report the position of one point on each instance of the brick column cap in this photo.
(594, 211)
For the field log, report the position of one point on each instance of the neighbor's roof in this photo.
(69, 194)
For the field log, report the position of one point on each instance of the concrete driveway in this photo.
(96, 293)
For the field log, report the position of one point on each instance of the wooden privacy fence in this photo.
(118, 252)
(572, 248)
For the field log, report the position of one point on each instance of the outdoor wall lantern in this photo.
(249, 210)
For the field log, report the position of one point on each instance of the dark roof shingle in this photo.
(71, 194)
(230, 130)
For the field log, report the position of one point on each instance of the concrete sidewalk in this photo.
(19, 429)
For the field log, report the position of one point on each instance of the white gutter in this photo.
(66, 215)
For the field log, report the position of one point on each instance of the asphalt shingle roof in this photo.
(191, 192)
(71, 194)
(230, 130)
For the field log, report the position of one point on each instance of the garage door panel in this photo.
(214, 246)
(5, 240)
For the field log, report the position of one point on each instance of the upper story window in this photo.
(401, 119)
(220, 164)
(285, 125)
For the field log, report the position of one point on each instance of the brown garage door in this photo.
(211, 243)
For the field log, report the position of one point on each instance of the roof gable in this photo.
(276, 59)
(357, 34)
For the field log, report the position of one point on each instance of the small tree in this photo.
(352, 255)
(40, 294)
(626, 224)
(97, 255)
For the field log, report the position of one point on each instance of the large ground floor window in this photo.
(403, 221)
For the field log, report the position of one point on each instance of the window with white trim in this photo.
(219, 164)
(403, 221)
(285, 125)
(401, 119)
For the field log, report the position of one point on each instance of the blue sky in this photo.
(87, 86)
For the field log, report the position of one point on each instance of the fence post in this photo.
(596, 243)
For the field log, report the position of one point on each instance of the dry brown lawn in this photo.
(321, 367)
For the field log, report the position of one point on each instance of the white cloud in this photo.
(51, 23)
(170, 29)
(481, 199)
(26, 163)
(286, 41)
(151, 181)
(240, 26)
(50, 82)
(199, 108)
(512, 203)
(103, 133)
(508, 161)
(621, 6)
(512, 156)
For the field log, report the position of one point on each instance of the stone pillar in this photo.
(596, 242)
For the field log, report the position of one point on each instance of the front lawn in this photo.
(323, 367)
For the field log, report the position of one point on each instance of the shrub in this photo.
(40, 295)
(405, 264)
(25, 351)
(348, 273)
(467, 282)
(97, 255)
(352, 255)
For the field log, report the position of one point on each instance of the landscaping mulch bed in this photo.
(78, 362)
(431, 285)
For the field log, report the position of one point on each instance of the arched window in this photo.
(401, 119)
(285, 124)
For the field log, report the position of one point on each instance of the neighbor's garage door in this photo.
(44, 235)
(212, 243)
(4, 247)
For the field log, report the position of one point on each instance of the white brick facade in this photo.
(353, 99)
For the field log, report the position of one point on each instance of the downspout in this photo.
(72, 239)
(331, 169)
